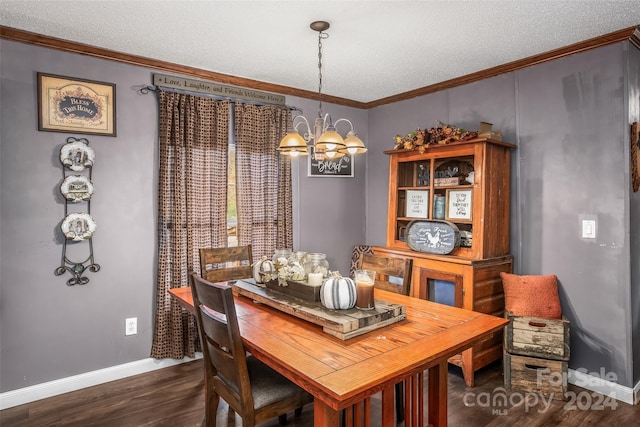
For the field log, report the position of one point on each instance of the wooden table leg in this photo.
(467, 367)
(323, 415)
(367, 412)
(414, 401)
(437, 399)
(358, 414)
(420, 401)
(388, 406)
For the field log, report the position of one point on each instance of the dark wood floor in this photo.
(174, 397)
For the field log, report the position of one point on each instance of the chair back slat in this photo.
(216, 329)
(225, 369)
(223, 264)
(392, 273)
(226, 274)
(214, 305)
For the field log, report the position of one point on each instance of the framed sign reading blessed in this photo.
(77, 106)
(340, 167)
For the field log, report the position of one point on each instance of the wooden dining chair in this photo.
(392, 274)
(223, 264)
(252, 389)
(357, 252)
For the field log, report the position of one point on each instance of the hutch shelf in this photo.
(472, 179)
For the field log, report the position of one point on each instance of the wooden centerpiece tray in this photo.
(343, 324)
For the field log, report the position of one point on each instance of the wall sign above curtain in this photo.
(211, 88)
(71, 105)
(340, 167)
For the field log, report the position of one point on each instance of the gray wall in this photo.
(49, 330)
(569, 120)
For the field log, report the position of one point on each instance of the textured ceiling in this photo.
(375, 49)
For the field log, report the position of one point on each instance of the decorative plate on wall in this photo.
(77, 155)
(78, 226)
(76, 188)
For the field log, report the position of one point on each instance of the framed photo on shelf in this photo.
(72, 105)
(417, 204)
(459, 206)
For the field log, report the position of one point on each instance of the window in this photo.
(232, 213)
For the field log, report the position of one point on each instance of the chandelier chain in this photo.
(320, 72)
(321, 36)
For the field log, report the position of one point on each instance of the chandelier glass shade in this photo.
(324, 137)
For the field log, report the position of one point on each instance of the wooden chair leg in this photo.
(298, 412)
(282, 419)
(213, 400)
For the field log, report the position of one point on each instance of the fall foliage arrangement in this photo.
(442, 134)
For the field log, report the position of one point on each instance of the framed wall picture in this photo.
(417, 204)
(74, 105)
(459, 206)
(340, 167)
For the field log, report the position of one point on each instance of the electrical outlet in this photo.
(131, 326)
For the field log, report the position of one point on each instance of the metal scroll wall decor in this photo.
(77, 227)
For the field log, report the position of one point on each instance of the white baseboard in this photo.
(64, 385)
(593, 383)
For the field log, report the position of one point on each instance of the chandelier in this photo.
(325, 139)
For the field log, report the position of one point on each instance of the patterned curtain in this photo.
(263, 179)
(192, 206)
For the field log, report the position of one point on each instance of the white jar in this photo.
(317, 263)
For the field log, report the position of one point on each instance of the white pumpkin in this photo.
(263, 269)
(338, 293)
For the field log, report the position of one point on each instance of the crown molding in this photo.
(631, 34)
(111, 55)
(635, 38)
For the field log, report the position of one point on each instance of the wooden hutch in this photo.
(469, 276)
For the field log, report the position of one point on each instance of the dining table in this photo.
(344, 374)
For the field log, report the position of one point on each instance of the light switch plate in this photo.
(588, 229)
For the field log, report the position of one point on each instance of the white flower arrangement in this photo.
(288, 270)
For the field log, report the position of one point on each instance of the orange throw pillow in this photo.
(533, 296)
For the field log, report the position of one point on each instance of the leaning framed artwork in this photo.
(417, 204)
(72, 105)
(459, 207)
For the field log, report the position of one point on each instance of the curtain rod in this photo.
(145, 89)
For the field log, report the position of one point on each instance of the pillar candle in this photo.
(315, 279)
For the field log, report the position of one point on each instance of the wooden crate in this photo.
(535, 375)
(537, 337)
(300, 290)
